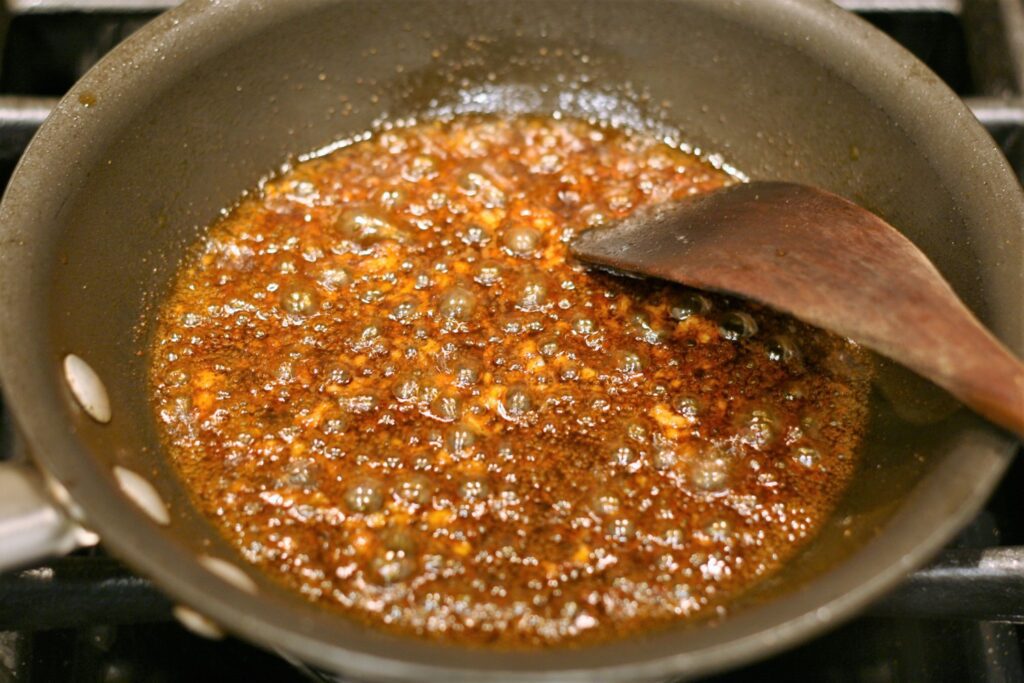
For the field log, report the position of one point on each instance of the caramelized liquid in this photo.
(385, 382)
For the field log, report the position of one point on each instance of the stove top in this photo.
(86, 618)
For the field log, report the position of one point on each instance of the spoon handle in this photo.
(975, 368)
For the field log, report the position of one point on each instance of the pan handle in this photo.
(33, 526)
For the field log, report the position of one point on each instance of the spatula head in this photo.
(799, 249)
(787, 245)
(824, 260)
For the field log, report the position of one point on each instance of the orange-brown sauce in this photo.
(385, 382)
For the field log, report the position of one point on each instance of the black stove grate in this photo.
(86, 618)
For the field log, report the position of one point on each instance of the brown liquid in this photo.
(383, 380)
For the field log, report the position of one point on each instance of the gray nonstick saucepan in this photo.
(200, 104)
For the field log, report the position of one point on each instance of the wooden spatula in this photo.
(828, 262)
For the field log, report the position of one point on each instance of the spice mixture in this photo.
(385, 380)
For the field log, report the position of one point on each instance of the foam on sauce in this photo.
(382, 379)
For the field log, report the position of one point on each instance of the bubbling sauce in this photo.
(386, 382)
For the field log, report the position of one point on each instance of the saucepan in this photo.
(207, 99)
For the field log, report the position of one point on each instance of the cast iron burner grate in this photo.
(86, 618)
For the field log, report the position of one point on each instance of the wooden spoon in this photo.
(828, 262)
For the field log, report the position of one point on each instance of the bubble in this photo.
(476, 235)
(521, 240)
(781, 349)
(404, 311)
(674, 537)
(456, 303)
(285, 372)
(365, 228)
(533, 293)
(569, 197)
(420, 167)
(466, 371)
(360, 403)
(461, 439)
(548, 346)
(719, 530)
(395, 562)
(584, 325)
(470, 182)
(393, 569)
(446, 407)
(437, 200)
(364, 496)
(177, 378)
(474, 489)
(620, 528)
(298, 300)
(570, 372)
(232, 255)
(688, 407)
(640, 326)
(625, 456)
(399, 540)
(406, 388)
(334, 278)
(737, 325)
(415, 488)
(637, 431)
(392, 197)
(547, 164)
(664, 458)
(685, 305)
(606, 504)
(710, 472)
(476, 184)
(335, 426)
(629, 362)
(301, 472)
(794, 392)
(370, 331)
(506, 451)
(594, 217)
(758, 428)
(337, 374)
(620, 197)
(807, 456)
(517, 401)
(428, 390)
(488, 273)
(371, 295)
